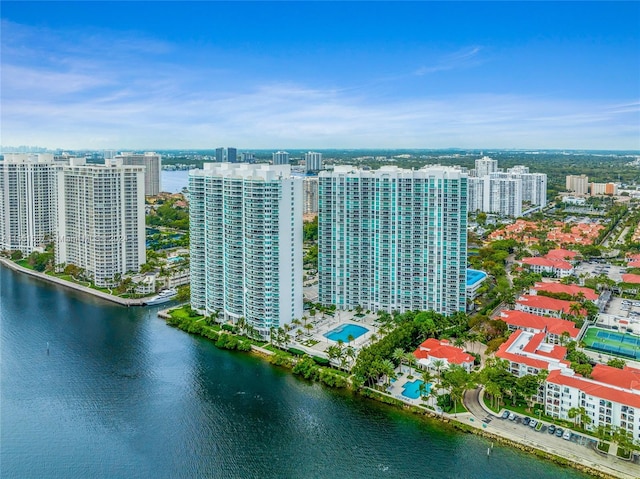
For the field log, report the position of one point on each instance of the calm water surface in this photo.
(174, 181)
(122, 395)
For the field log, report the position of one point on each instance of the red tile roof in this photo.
(548, 263)
(597, 389)
(560, 253)
(442, 350)
(631, 278)
(558, 352)
(520, 319)
(633, 257)
(572, 289)
(628, 378)
(634, 264)
(544, 302)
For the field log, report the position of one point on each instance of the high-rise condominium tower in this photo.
(226, 155)
(100, 218)
(246, 243)
(313, 162)
(280, 158)
(27, 201)
(153, 165)
(486, 165)
(393, 239)
(310, 194)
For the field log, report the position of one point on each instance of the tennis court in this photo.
(612, 342)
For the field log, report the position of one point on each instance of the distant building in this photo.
(100, 218)
(578, 184)
(313, 162)
(246, 243)
(247, 157)
(393, 239)
(310, 195)
(27, 201)
(485, 166)
(153, 165)
(604, 189)
(226, 155)
(280, 158)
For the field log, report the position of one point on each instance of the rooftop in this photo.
(572, 289)
(520, 319)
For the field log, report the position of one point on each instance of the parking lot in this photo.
(537, 426)
(595, 269)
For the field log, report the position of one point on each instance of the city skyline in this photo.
(368, 75)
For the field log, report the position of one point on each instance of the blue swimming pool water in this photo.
(175, 259)
(342, 332)
(473, 276)
(412, 389)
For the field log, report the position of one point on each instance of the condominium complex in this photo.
(310, 195)
(153, 165)
(100, 218)
(226, 155)
(486, 165)
(280, 158)
(27, 201)
(578, 184)
(246, 243)
(393, 239)
(603, 189)
(499, 195)
(313, 162)
(506, 193)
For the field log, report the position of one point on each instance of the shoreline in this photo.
(68, 284)
(465, 422)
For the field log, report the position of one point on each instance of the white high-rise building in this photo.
(475, 193)
(502, 195)
(100, 218)
(313, 162)
(27, 201)
(534, 185)
(280, 158)
(393, 239)
(246, 243)
(310, 195)
(153, 165)
(486, 165)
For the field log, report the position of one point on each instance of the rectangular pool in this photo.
(343, 332)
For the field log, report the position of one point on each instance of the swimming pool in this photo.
(343, 332)
(175, 259)
(411, 390)
(474, 276)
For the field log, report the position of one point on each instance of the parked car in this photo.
(551, 429)
(533, 423)
(526, 421)
(512, 417)
(567, 435)
(559, 432)
(505, 415)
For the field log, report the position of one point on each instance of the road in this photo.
(480, 417)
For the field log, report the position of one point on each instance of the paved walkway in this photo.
(68, 284)
(479, 416)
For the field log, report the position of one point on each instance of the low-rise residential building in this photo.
(611, 397)
(440, 349)
(558, 288)
(543, 305)
(557, 267)
(562, 254)
(631, 278)
(529, 353)
(553, 327)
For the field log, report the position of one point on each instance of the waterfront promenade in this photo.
(68, 284)
(582, 456)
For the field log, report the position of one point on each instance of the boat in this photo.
(162, 297)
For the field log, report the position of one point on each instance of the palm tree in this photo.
(459, 342)
(388, 369)
(272, 331)
(575, 309)
(350, 338)
(308, 327)
(373, 338)
(398, 355)
(438, 364)
(411, 361)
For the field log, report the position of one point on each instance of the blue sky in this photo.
(158, 75)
